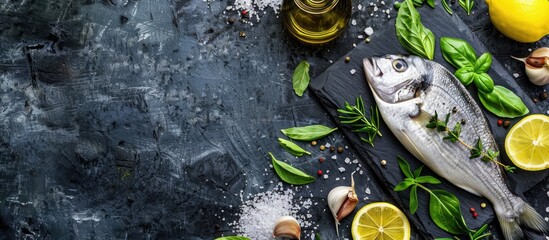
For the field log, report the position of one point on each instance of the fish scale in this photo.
(408, 91)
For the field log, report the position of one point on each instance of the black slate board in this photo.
(337, 85)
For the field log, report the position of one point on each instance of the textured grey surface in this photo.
(126, 119)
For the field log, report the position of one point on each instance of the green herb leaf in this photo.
(300, 78)
(411, 34)
(232, 238)
(467, 5)
(317, 236)
(290, 174)
(483, 63)
(466, 75)
(404, 167)
(356, 117)
(404, 184)
(481, 232)
(417, 172)
(431, 3)
(503, 103)
(444, 209)
(413, 199)
(292, 148)
(457, 52)
(446, 7)
(484, 82)
(476, 151)
(308, 133)
(427, 179)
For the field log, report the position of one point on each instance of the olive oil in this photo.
(316, 21)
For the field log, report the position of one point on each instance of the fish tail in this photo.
(525, 216)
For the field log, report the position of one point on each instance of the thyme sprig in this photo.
(453, 135)
(355, 115)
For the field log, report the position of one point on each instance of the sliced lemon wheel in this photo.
(527, 143)
(380, 221)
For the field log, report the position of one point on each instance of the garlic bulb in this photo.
(342, 201)
(537, 66)
(287, 228)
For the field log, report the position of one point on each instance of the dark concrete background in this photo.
(126, 119)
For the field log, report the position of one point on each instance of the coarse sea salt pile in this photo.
(259, 212)
(255, 7)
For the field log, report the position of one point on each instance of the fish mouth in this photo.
(371, 69)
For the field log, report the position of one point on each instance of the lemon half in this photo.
(380, 221)
(527, 143)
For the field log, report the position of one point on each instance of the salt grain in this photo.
(353, 71)
(369, 31)
(341, 169)
(325, 176)
(353, 22)
(334, 157)
(516, 75)
(347, 160)
(368, 191)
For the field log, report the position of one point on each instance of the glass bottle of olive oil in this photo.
(316, 21)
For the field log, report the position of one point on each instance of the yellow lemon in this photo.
(521, 20)
(380, 221)
(527, 143)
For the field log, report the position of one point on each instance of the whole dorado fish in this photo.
(409, 91)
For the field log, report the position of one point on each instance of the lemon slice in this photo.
(380, 221)
(527, 143)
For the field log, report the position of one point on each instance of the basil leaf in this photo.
(467, 5)
(483, 63)
(444, 209)
(457, 52)
(411, 34)
(427, 179)
(404, 184)
(292, 148)
(232, 238)
(290, 174)
(431, 3)
(300, 78)
(466, 75)
(308, 133)
(404, 167)
(503, 103)
(484, 82)
(413, 199)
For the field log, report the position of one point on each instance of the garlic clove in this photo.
(537, 66)
(287, 228)
(342, 201)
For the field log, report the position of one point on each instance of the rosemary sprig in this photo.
(355, 115)
(453, 136)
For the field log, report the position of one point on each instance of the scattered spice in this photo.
(454, 110)
(314, 143)
(242, 34)
(475, 214)
(319, 172)
(506, 123)
(347, 59)
(231, 20)
(483, 205)
(322, 147)
(244, 13)
(321, 159)
(339, 149)
(463, 121)
(472, 210)
(332, 148)
(500, 122)
(383, 162)
(543, 95)
(367, 40)
(535, 100)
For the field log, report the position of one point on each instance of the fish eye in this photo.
(400, 65)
